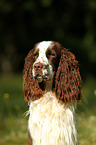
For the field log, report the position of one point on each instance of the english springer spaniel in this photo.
(52, 86)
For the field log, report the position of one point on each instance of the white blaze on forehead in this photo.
(42, 47)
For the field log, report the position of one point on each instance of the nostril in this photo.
(38, 66)
(34, 67)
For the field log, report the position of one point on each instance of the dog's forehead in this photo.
(43, 46)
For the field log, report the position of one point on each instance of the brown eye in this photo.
(51, 54)
(36, 53)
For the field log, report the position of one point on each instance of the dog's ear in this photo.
(31, 87)
(68, 79)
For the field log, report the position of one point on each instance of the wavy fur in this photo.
(32, 91)
(68, 79)
(52, 102)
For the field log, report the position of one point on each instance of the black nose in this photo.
(38, 66)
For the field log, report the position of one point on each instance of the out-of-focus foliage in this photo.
(23, 23)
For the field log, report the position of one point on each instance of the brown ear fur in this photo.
(31, 87)
(68, 79)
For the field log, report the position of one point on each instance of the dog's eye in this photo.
(51, 54)
(36, 54)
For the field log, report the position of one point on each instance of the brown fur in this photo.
(67, 79)
(32, 90)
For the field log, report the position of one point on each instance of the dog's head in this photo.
(48, 61)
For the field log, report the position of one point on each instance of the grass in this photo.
(13, 124)
(86, 113)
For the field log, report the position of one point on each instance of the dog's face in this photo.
(50, 63)
(47, 58)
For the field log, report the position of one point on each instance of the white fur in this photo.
(42, 47)
(51, 122)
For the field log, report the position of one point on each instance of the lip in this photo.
(46, 78)
(41, 78)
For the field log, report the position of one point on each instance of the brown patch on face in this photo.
(53, 53)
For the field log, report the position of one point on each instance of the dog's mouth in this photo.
(41, 78)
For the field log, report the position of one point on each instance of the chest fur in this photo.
(51, 123)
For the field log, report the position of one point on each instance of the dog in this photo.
(52, 86)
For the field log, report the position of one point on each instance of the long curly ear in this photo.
(68, 79)
(31, 87)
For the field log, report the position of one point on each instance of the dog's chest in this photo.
(50, 122)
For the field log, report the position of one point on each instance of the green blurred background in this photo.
(26, 22)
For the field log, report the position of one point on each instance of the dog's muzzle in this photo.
(41, 72)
